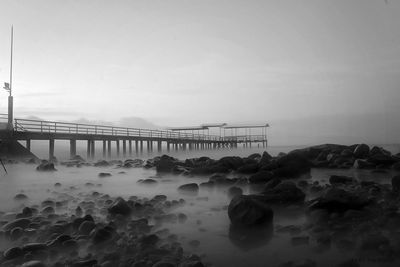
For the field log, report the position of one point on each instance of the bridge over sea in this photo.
(130, 141)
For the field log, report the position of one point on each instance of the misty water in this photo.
(207, 221)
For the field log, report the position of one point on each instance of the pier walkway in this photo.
(127, 140)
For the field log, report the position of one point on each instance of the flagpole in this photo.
(11, 63)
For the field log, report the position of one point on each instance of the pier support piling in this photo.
(109, 148)
(51, 149)
(72, 148)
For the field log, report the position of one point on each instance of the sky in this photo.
(317, 71)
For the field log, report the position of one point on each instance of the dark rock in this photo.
(192, 188)
(102, 163)
(85, 263)
(396, 183)
(336, 199)
(86, 227)
(265, 159)
(16, 233)
(284, 193)
(396, 166)
(261, 177)
(248, 211)
(102, 235)
(249, 168)
(300, 240)
(164, 264)
(33, 247)
(120, 206)
(104, 174)
(363, 164)
(234, 191)
(339, 179)
(165, 164)
(46, 166)
(374, 241)
(361, 151)
(13, 253)
(148, 181)
(33, 263)
(232, 162)
(292, 165)
(21, 197)
(23, 223)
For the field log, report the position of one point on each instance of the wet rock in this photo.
(57, 185)
(85, 263)
(46, 166)
(182, 217)
(86, 227)
(34, 247)
(304, 263)
(234, 191)
(231, 162)
(33, 263)
(290, 166)
(194, 243)
(27, 212)
(396, 183)
(361, 151)
(248, 210)
(349, 263)
(300, 240)
(285, 193)
(374, 241)
(191, 188)
(164, 264)
(102, 235)
(249, 168)
(120, 206)
(363, 164)
(102, 163)
(191, 263)
(104, 174)
(265, 159)
(148, 181)
(396, 166)
(261, 177)
(21, 197)
(16, 233)
(339, 179)
(48, 210)
(13, 253)
(166, 164)
(336, 199)
(23, 223)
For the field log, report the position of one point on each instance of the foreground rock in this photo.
(248, 211)
(46, 166)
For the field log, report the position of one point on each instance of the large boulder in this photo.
(396, 183)
(121, 207)
(361, 151)
(232, 162)
(261, 177)
(46, 166)
(292, 165)
(363, 164)
(379, 155)
(191, 188)
(265, 159)
(340, 179)
(284, 193)
(339, 200)
(249, 168)
(248, 211)
(165, 164)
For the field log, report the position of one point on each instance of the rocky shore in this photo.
(345, 213)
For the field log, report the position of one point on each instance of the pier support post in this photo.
(137, 147)
(28, 144)
(117, 142)
(141, 146)
(130, 147)
(51, 149)
(109, 148)
(72, 148)
(88, 149)
(168, 146)
(159, 146)
(104, 149)
(92, 149)
(124, 148)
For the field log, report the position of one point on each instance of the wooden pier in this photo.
(126, 141)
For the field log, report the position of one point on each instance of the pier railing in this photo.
(245, 138)
(38, 126)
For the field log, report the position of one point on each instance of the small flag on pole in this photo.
(6, 86)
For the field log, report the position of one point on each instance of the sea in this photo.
(208, 221)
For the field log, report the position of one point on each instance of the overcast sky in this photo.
(188, 62)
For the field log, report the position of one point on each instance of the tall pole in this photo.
(10, 98)
(11, 60)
